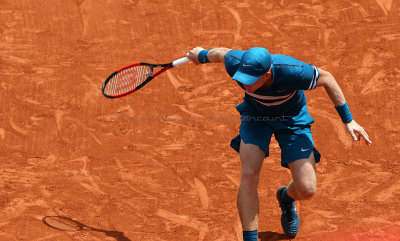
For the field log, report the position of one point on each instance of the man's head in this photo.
(255, 63)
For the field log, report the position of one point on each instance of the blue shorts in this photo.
(295, 141)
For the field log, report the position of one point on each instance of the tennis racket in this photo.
(133, 77)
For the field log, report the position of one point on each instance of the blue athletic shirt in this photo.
(285, 98)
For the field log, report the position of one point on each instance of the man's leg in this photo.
(304, 183)
(251, 157)
(303, 186)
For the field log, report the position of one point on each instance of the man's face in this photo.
(259, 83)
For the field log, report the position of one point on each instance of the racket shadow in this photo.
(69, 225)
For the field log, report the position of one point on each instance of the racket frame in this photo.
(152, 75)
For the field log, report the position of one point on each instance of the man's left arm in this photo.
(334, 92)
(214, 55)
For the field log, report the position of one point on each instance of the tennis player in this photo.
(274, 103)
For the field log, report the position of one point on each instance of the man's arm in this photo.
(334, 92)
(214, 55)
(332, 88)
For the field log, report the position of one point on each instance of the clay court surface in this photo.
(156, 165)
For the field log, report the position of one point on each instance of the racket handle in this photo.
(180, 61)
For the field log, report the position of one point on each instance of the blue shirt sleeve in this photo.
(232, 61)
(290, 73)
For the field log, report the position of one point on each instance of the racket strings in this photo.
(127, 80)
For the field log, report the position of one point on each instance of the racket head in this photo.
(62, 223)
(127, 80)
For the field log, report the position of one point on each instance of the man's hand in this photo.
(193, 54)
(353, 127)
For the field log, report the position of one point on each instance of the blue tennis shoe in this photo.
(290, 220)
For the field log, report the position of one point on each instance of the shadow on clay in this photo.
(69, 225)
(271, 236)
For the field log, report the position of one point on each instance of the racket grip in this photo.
(180, 61)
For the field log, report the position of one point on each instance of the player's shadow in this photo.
(78, 226)
(271, 236)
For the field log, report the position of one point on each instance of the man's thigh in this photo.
(251, 156)
(296, 144)
(253, 132)
(304, 172)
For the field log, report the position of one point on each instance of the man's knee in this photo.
(249, 178)
(306, 191)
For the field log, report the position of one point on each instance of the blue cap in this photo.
(255, 62)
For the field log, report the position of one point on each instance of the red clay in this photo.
(156, 165)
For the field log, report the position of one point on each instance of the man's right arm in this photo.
(336, 95)
(214, 55)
